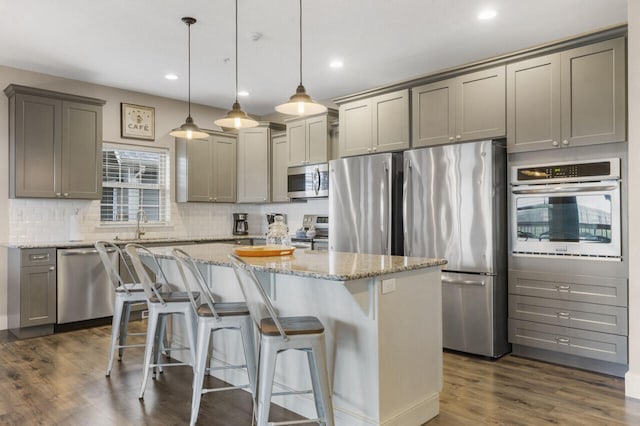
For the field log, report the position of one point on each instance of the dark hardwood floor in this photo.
(59, 380)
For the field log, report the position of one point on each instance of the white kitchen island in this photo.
(383, 326)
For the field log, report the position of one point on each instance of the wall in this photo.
(632, 379)
(29, 220)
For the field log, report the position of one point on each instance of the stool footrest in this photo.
(292, 393)
(226, 367)
(296, 422)
(141, 345)
(169, 364)
(223, 389)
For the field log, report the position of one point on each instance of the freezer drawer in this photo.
(572, 287)
(585, 316)
(468, 313)
(84, 289)
(588, 344)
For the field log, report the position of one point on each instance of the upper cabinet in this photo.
(279, 165)
(576, 97)
(310, 139)
(206, 169)
(376, 124)
(55, 144)
(464, 108)
(254, 163)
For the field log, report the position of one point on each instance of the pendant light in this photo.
(301, 103)
(236, 118)
(189, 130)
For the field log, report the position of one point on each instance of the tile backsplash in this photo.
(43, 220)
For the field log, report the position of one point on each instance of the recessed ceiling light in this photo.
(243, 93)
(336, 64)
(487, 14)
(171, 77)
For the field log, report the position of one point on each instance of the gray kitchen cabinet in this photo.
(376, 124)
(572, 98)
(469, 107)
(578, 320)
(309, 139)
(55, 144)
(254, 163)
(31, 291)
(206, 169)
(279, 165)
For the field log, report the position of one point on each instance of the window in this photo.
(134, 179)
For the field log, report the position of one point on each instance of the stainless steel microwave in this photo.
(310, 181)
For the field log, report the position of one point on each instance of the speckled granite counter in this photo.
(334, 266)
(150, 241)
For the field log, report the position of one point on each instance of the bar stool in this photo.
(212, 317)
(126, 295)
(279, 334)
(161, 304)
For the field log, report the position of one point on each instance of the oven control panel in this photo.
(601, 169)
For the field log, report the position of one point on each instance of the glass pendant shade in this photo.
(236, 118)
(189, 130)
(301, 104)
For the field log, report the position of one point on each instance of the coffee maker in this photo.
(240, 224)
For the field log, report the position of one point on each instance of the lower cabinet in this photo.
(576, 320)
(31, 291)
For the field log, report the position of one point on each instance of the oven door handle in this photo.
(559, 189)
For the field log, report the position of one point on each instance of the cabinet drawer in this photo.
(585, 316)
(576, 288)
(33, 257)
(588, 344)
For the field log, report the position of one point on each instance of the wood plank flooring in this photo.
(59, 380)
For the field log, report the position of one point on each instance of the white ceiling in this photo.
(132, 44)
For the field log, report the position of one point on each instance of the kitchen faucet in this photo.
(140, 214)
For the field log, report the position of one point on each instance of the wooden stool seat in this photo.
(292, 326)
(173, 296)
(223, 309)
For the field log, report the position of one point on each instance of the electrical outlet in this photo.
(388, 285)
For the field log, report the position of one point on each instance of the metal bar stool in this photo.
(279, 334)
(161, 304)
(126, 295)
(212, 317)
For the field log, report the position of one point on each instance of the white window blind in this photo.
(134, 179)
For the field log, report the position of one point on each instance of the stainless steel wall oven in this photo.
(567, 209)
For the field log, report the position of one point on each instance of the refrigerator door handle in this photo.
(405, 207)
(385, 206)
(463, 282)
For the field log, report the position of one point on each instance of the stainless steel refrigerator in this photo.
(455, 208)
(365, 204)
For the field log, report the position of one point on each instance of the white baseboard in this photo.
(632, 384)
(419, 414)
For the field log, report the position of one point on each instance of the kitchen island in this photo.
(383, 326)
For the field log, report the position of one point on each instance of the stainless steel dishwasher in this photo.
(84, 289)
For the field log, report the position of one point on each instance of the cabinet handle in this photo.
(39, 257)
(563, 315)
(562, 340)
(368, 149)
(66, 194)
(58, 194)
(563, 287)
(451, 138)
(52, 268)
(375, 149)
(458, 136)
(565, 142)
(554, 143)
(215, 198)
(210, 198)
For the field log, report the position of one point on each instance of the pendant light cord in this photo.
(300, 42)
(189, 67)
(236, 51)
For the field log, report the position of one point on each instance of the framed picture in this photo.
(137, 122)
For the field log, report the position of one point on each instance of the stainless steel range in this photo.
(320, 241)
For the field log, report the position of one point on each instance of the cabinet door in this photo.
(594, 93)
(38, 145)
(81, 151)
(279, 164)
(391, 121)
(317, 139)
(533, 104)
(480, 105)
(433, 114)
(253, 165)
(224, 169)
(355, 128)
(38, 295)
(199, 170)
(296, 133)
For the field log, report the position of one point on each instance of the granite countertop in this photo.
(151, 240)
(326, 265)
